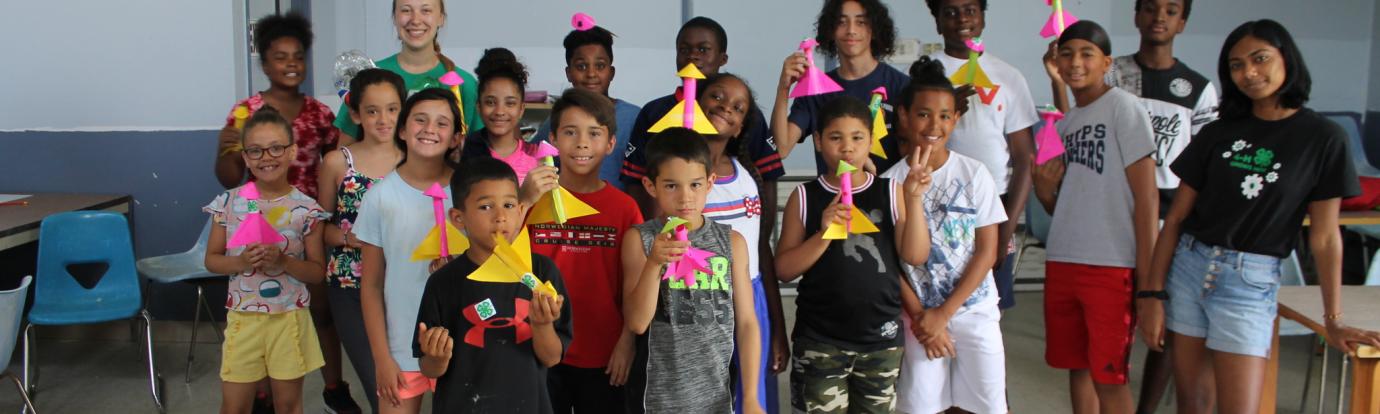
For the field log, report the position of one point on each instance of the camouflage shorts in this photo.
(829, 379)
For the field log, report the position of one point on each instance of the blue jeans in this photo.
(1226, 296)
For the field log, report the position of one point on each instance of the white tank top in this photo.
(734, 201)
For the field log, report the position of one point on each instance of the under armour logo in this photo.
(475, 336)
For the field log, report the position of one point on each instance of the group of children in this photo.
(900, 313)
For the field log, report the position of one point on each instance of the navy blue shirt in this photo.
(805, 110)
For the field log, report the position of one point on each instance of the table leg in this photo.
(1268, 398)
(1365, 382)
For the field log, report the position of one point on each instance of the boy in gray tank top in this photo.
(686, 326)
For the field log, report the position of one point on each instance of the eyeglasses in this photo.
(255, 153)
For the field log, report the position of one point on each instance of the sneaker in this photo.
(338, 400)
(262, 404)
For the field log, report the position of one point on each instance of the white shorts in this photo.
(975, 380)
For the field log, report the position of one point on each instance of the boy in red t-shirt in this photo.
(586, 249)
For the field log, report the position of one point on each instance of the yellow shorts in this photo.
(282, 346)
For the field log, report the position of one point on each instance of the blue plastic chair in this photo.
(78, 238)
(12, 307)
(188, 266)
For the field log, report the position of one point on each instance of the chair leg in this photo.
(191, 345)
(1322, 379)
(1308, 373)
(155, 380)
(1341, 386)
(210, 316)
(30, 370)
(28, 403)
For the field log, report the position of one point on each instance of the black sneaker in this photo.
(338, 400)
(262, 404)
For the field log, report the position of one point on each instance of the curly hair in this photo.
(879, 19)
(277, 26)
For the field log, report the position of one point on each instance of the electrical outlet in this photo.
(907, 51)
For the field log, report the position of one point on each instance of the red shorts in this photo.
(1089, 322)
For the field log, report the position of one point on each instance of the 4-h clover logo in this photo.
(1263, 157)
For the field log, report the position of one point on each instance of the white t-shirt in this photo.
(735, 201)
(962, 199)
(396, 217)
(992, 113)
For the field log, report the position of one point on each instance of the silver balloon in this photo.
(347, 65)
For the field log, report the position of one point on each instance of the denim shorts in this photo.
(1223, 295)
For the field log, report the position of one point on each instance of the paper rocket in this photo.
(1047, 142)
(1058, 21)
(241, 114)
(582, 22)
(512, 263)
(559, 205)
(815, 81)
(687, 113)
(454, 80)
(971, 73)
(857, 223)
(694, 260)
(437, 244)
(878, 121)
(253, 229)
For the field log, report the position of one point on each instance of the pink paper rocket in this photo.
(1058, 21)
(693, 260)
(582, 22)
(845, 173)
(815, 81)
(453, 81)
(254, 229)
(438, 206)
(1048, 143)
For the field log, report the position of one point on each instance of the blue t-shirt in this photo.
(761, 148)
(624, 113)
(805, 110)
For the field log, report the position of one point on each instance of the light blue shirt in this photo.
(396, 217)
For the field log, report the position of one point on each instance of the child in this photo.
(1247, 182)
(734, 200)
(589, 66)
(1102, 234)
(995, 128)
(393, 219)
(502, 84)
(847, 345)
(1180, 101)
(282, 41)
(346, 174)
(704, 42)
(859, 33)
(268, 332)
(488, 345)
(586, 250)
(687, 331)
(956, 357)
(420, 62)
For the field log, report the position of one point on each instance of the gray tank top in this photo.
(689, 345)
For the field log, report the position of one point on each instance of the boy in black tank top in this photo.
(847, 334)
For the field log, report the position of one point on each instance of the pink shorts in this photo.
(415, 384)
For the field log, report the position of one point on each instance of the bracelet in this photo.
(1332, 316)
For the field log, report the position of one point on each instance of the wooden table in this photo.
(1361, 309)
(19, 223)
(1354, 218)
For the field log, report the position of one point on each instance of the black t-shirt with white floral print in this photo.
(1255, 179)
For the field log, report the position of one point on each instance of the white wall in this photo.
(1374, 104)
(102, 65)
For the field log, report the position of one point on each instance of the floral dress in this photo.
(342, 270)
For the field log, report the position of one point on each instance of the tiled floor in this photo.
(105, 374)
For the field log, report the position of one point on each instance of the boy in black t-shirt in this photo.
(489, 344)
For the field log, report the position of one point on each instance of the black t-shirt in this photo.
(1255, 179)
(493, 367)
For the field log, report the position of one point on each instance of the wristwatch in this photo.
(1156, 294)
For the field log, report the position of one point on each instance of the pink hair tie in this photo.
(582, 22)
